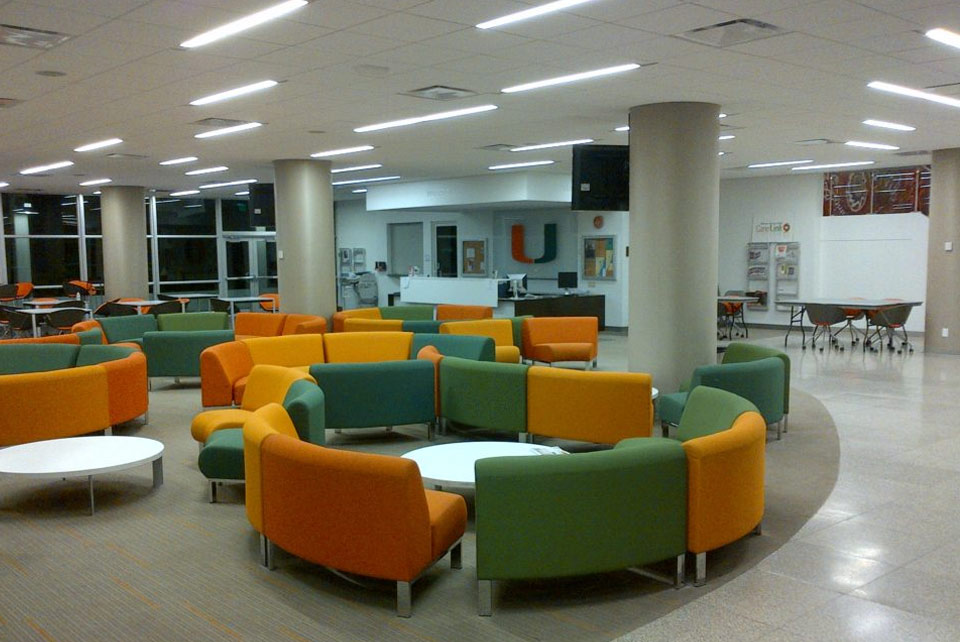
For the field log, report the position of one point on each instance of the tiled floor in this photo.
(881, 559)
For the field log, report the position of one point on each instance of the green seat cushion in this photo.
(671, 407)
(222, 455)
(456, 345)
(90, 355)
(407, 312)
(484, 394)
(127, 328)
(193, 321)
(421, 326)
(16, 358)
(710, 410)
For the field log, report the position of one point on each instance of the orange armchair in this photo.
(354, 512)
(553, 339)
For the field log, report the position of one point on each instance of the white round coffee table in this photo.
(451, 465)
(82, 457)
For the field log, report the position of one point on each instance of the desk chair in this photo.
(218, 305)
(735, 312)
(63, 319)
(8, 292)
(823, 318)
(75, 287)
(168, 307)
(273, 304)
(111, 309)
(18, 322)
(891, 319)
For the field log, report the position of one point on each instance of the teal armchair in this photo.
(742, 352)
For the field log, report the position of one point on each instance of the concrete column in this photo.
(305, 236)
(124, 224)
(943, 266)
(674, 220)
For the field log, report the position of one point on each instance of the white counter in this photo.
(457, 291)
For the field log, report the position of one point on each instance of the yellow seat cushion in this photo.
(508, 354)
(290, 350)
(365, 347)
(500, 330)
(210, 421)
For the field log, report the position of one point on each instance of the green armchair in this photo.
(742, 352)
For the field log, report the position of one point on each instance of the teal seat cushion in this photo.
(407, 312)
(127, 328)
(177, 353)
(16, 358)
(496, 394)
(671, 407)
(421, 326)
(93, 354)
(193, 321)
(222, 455)
(456, 345)
(93, 336)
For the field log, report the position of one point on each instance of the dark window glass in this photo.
(95, 260)
(91, 215)
(43, 261)
(187, 259)
(39, 214)
(186, 216)
(236, 215)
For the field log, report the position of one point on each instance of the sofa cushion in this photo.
(222, 455)
(90, 355)
(193, 321)
(26, 357)
(420, 326)
(127, 328)
(407, 312)
(303, 324)
(356, 347)
(454, 345)
(258, 324)
(206, 423)
(292, 350)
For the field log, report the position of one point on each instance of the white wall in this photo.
(873, 256)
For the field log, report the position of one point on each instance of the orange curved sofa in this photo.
(266, 324)
(553, 339)
(448, 312)
(68, 390)
(371, 515)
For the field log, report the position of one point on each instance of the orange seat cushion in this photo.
(258, 324)
(550, 352)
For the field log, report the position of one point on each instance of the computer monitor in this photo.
(567, 281)
(518, 284)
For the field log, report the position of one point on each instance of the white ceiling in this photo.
(343, 64)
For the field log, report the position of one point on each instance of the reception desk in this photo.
(575, 305)
(458, 291)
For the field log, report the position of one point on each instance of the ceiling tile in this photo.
(807, 16)
(554, 26)
(605, 36)
(678, 19)
(357, 44)
(467, 12)
(337, 14)
(407, 27)
(477, 41)
(25, 14)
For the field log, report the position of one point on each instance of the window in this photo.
(43, 261)
(187, 259)
(186, 217)
(39, 215)
(405, 248)
(91, 215)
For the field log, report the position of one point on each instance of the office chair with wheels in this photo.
(19, 324)
(167, 307)
(75, 287)
(823, 318)
(735, 310)
(61, 320)
(891, 319)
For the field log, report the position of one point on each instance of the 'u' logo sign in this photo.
(549, 244)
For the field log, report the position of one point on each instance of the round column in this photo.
(943, 266)
(305, 237)
(124, 221)
(674, 220)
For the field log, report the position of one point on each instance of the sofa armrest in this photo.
(220, 367)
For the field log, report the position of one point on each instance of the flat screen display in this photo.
(566, 280)
(601, 178)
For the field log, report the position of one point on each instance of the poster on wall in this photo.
(599, 258)
(474, 258)
(896, 190)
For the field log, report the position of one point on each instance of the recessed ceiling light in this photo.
(43, 168)
(96, 181)
(622, 128)
(187, 192)
(356, 168)
(191, 206)
(721, 153)
(99, 144)
(721, 115)
(345, 150)
(778, 164)
(242, 24)
(562, 80)
(726, 137)
(860, 143)
(526, 14)
(179, 161)
(888, 125)
(4, 184)
(233, 93)
(365, 180)
(244, 181)
(206, 170)
(228, 130)
(516, 165)
(833, 165)
(945, 36)
(562, 143)
(424, 119)
(913, 93)
(97, 193)
(246, 193)
(362, 190)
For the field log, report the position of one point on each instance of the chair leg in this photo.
(758, 529)
(267, 552)
(430, 431)
(701, 577)
(212, 492)
(149, 383)
(664, 429)
(456, 556)
(404, 599)
(786, 419)
(485, 593)
(680, 571)
(779, 429)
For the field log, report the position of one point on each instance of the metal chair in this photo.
(8, 292)
(735, 310)
(891, 319)
(273, 304)
(219, 305)
(75, 287)
(112, 309)
(18, 322)
(62, 320)
(168, 307)
(68, 304)
(823, 318)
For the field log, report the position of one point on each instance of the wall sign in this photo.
(518, 251)
(771, 231)
(599, 258)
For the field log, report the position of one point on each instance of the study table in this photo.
(186, 297)
(49, 302)
(798, 308)
(139, 305)
(734, 298)
(232, 300)
(41, 312)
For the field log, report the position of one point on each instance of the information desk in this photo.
(575, 305)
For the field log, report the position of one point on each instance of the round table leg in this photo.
(90, 486)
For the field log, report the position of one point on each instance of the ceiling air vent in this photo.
(919, 152)
(219, 122)
(33, 38)
(120, 156)
(817, 141)
(439, 92)
(732, 32)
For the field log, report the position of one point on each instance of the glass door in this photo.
(446, 253)
(251, 266)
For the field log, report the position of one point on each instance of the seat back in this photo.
(357, 347)
(8, 292)
(484, 394)
(273, 304)
(710, 410)
(463, 312)
(407, 312)
(599, 407)
(127, 327)
(760, 382)
(24, 289)
(500, 330)
(739, 352)
(65, 319)
(303, 324)
(258, 324)
(271, 420)
(825, 315)
(304, 403)
(289, 351)
(453, 345)
(358, 313)
(892, 317)
(538, 330)
(18, 358)
(372, 325)
(218, 305)
(190, 321)
(167, 307)
(270, 384)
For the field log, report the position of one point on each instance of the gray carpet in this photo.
(166, 565)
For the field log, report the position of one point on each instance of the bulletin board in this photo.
(599, 258)
(474, 258)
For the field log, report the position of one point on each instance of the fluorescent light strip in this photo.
(228, 130)
(888, 125)
(945, 36)
(97, 193)
(43, 168)
(96, 181)
(913, 93)
(245, 181)
(99, 144)
(622, 128)
(356, 168)
(721, 115)
(833, 165)
(206, 170)
(860, 143)
(362, 190)
(722, 153)
(562, 80)
(562, 143)
(4, 184)
(233, 93)
(778, 164)
(526, 14)
(345, 150)
(187, 192)
(516, 165)
(726, 137)
(365, 180)
(247, 193)
(179, 161)
(242, 24)
(194, 205)
(424, 119)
